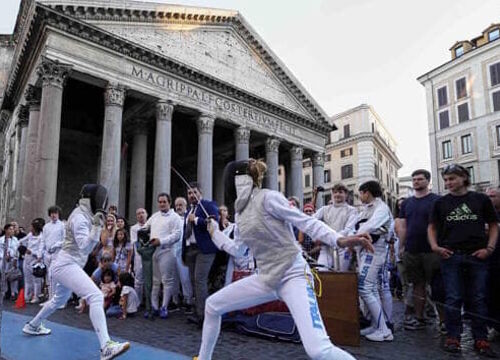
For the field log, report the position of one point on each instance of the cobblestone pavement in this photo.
(174, 334)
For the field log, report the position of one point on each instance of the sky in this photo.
(350, 52)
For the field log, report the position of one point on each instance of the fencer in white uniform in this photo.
(264, 222)
(165, 231)
(53, 237)
(375, 219)
(341, 217)
(82, 234)
(34, 254)
(141, 216)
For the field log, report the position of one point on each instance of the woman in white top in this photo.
(264, 222)
(34, 254)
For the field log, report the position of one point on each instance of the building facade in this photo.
(362, 149)
(463, 110)
(118, 92)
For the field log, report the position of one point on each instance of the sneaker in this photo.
(483, 348)
(33, 330)
(163, 312)
(414, 324)
(173, 307)
(380, 336)
(155, 312)
(147, 315)
(113, 349)
(442, 328)
(452, 345)
(367, 330)
(35, 300)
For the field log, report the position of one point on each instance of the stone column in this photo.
(242, 140)
(123, 180)
(163, 149)
(109, 174)
(206, 124)
(28, 184)
(296, 187)
(318, 163)
(137, 193)
(23, 116)
(53, 76)
(272, 148)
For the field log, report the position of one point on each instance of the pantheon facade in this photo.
(120, 92)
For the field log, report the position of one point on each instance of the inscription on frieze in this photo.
(204, 97)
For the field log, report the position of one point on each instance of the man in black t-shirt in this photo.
(457, 233)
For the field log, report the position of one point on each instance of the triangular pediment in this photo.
(217, 51)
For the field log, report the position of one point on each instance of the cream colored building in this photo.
(361, 149)
(463, 109)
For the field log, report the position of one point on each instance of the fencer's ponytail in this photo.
(257, 170)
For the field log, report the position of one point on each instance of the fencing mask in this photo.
(233, 169)
(98, 196)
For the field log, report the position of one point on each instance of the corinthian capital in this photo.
(206, 124)
(272, 145)
(296, 153)
(52, 72)
(164, 110)
(23, 115)
(319, 159)
(114, 95)
(242, 135)
(33, 96)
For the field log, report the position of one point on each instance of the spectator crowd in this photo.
(436, 253)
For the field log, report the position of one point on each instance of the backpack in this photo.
(270, 325)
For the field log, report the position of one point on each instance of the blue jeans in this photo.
(465, 280)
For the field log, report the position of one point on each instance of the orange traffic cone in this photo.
(20, 302)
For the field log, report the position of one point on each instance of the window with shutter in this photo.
(442, 96)
(466, 144)
(347, 131)
(463, 112)
(444, 119)
(447, 152)
(346, 172)
(496, 101)
(461, 88)
(495, 74)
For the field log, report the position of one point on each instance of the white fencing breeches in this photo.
(138, 276)
(48, 260)
(164, 264)
(370, 267)
(182, 273)
(32, 284)
(294, 290)
(69, 278)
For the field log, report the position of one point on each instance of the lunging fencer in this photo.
(82, 234)
(264, 222)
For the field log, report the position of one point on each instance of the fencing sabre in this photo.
(194, 193)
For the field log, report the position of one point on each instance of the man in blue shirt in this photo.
(419, 260)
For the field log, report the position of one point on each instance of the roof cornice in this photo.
(63, 18)
(366, 136)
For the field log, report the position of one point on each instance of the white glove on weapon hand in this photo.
(99, 219)
(98, 222)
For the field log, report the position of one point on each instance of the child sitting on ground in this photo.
(129, 301)
(108, 287)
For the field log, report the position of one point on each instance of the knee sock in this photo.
(98, 318)
(211, 330)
